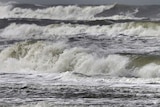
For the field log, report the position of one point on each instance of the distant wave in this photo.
(149, 11)
(75, 12)
(71, 12)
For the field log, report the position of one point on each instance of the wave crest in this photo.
(71, 12)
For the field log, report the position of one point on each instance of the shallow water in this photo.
(47, 90)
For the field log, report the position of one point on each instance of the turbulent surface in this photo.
(74, 12)
(95, 56)
(59, 91)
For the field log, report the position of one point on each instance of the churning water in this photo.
(79, 56)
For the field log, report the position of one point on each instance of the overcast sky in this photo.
(132, 2)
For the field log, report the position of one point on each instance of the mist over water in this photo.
(79, 56)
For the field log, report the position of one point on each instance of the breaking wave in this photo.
(58, 57)
(74, 12)
(71, 12)
(22, 31)
(75, 41)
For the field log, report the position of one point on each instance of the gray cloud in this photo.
(132, 2)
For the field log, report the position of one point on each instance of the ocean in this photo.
(79, 55)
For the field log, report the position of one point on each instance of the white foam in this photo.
(4, 10)
(151, 70)
(56, 12)
(45, 57)
(18, 31)
(71, 12)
